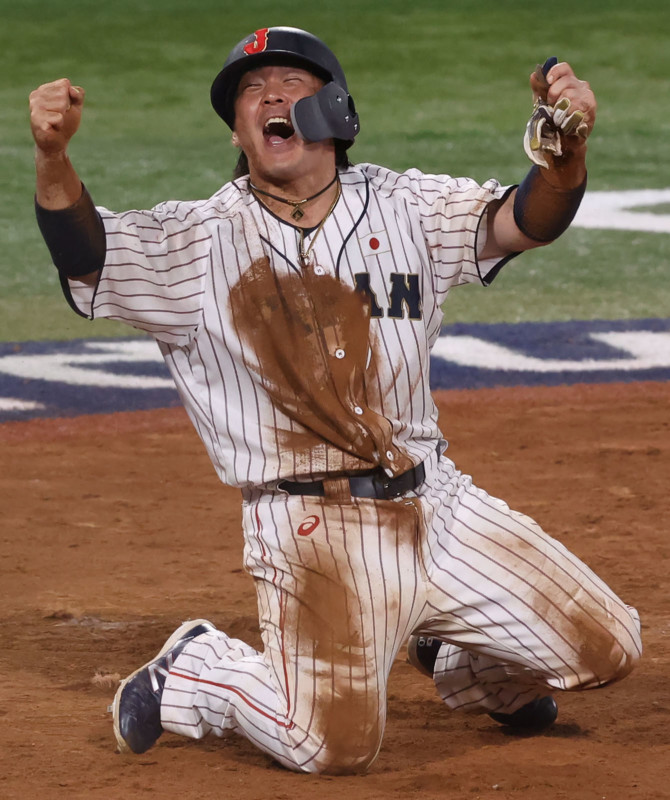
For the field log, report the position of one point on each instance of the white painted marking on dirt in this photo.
(14, 404)
(617, 211)
(646, 350)
(79, 369)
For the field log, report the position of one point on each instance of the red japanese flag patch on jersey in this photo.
(372, 244)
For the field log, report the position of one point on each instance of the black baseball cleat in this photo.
(533, 717)
(137, 702)
(422, 652)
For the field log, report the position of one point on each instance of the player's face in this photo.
(263, 128)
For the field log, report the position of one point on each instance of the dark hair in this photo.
(341, 160)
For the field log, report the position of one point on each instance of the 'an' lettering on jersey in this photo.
(404, 294)
(363, 285)
(405, 291)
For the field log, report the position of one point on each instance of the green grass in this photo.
(575, 279)
(440, 84)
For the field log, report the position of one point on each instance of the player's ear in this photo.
(235, 140)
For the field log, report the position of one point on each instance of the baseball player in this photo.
(296, 309)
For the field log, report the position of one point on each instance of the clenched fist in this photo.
(55, 114)
(563, 86)
(563, 115)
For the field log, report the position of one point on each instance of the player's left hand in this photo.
(563, 116)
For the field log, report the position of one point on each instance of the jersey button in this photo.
(358, 410)
(389, 455)
(339, 353)
(319, 270)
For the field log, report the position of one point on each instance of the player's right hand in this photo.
(55, 114)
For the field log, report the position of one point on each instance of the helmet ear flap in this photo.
(328, 114)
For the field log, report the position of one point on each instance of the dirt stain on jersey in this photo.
(589, 629)
(335, 631)
(331, 632)
(324, 625)
(310, 339)
(600, 651)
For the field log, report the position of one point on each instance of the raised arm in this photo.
(55, 115)
(67, 218)
(545, 203)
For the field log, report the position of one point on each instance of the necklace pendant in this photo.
(297, 213)
(306, 260)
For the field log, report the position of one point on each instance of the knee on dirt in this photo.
(352, 736)
(607, 653)
(351, 759)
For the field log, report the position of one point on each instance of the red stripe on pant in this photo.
(287, 725)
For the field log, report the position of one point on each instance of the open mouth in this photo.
(278, 129)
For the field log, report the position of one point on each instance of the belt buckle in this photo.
(401, 483)
(389, 492)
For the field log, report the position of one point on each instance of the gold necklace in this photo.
(297, 212)
(303, 255)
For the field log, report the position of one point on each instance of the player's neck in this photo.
(301, 202)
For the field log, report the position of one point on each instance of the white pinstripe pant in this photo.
(341, 586)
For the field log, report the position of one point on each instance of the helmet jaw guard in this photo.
(328, 114)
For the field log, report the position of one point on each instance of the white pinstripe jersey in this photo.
(289, 372)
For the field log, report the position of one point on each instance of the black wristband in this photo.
(543, 212)
(75, 236)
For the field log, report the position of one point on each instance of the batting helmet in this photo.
(328, 114)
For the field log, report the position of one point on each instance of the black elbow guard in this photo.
(75, 236)
(543, 212)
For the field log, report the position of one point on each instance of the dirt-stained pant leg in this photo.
(520, 615)
(339, 589)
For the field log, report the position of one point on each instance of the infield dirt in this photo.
(115, 529)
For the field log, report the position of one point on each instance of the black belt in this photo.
(375, 484)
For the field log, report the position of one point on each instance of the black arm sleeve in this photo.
(75, 236)
(543, 212)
